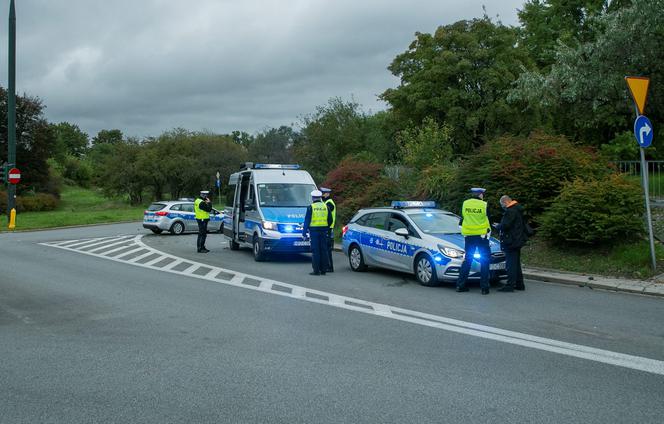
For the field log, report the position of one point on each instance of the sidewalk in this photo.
(650, 288)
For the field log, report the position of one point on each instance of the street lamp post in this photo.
(11, 107)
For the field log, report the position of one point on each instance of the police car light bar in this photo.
(414, 204)
(275, 166)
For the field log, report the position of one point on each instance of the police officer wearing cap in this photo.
(330, 240)
(317, 223)
(202, 209)
(475, 228)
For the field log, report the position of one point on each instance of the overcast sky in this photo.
(146, 66)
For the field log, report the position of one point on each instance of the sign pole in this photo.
(644, 179)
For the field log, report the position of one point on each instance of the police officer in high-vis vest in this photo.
(202, 209)
(330, 240)
(475, 228)
(317, 224)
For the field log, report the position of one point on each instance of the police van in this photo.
(268, 209)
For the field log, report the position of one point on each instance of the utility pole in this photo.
(11, 108)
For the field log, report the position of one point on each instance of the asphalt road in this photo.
(88, 339)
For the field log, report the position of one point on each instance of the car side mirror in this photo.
(403, 232)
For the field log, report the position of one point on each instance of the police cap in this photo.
(325, 190)
(316, 193)
(477, 190)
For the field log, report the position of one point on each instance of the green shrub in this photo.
(30, 202)
(357, 184)
(530, 169)
(595, 211)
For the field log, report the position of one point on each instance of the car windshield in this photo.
(436, 222)
(285, 195)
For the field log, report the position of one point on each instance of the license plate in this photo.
(302, 243)
(497, 266)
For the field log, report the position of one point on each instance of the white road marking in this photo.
(382, 310)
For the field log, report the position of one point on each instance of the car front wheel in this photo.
(425, 271)
(259, 254)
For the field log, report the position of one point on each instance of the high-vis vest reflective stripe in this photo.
(475, 221)
(334, 211)
(318, 214)
(200, 214)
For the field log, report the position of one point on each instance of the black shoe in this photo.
(506, 289)
(314, 273)
(462, 289)
(322, 273)
(204, 250)
(330, 270)
(521, 288)
(485, 291)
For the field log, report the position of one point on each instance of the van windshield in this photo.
(285, 195)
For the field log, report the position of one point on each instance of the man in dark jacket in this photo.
(513, 237)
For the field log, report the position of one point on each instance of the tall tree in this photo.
(69, 140)
(460, 76)
(108, 137)
(34, 142)
(273, 145)
(584, 91)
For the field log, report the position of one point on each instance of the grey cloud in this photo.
(151, 65)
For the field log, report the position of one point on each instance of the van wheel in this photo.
(425, 271)
(356, 260)
(233, 245)
(177, 228)
(259, 254)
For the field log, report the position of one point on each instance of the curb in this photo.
(590, 281)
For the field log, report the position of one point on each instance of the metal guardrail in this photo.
(632, 168)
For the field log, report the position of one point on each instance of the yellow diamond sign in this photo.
(638, 86)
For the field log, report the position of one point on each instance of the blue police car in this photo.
(414, 237)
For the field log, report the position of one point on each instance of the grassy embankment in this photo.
(629, 259)
(79, 206)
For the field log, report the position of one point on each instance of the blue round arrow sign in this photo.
(643, 131)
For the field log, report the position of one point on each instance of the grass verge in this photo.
(79, 206)
(629, 259)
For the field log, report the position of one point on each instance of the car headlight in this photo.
(450, 252)
(267, 225)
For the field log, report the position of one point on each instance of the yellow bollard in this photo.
(12, 219)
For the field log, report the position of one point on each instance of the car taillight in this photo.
(146, 212)
(161, 213)
(343, 230)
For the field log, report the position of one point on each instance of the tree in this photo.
(273, 145)
(427, 145)
(547, 23)
(69, 140)
(461, 76)
(34, 143)
(332, 132)
(584, 92)
(108, 137)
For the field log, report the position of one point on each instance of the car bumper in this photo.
(450, 271)
(284, 245)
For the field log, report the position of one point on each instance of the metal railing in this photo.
(632, 168)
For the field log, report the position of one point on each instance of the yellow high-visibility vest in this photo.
(475, 222)
(318, 214)
(200, 213)
(334, 212)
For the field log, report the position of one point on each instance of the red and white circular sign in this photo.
(14, 176)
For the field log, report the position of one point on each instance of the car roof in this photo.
(172, 202)
(408, 211)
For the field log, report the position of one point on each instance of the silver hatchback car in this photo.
(417, 238)
(177, 216)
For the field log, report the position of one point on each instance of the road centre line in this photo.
(387, 311)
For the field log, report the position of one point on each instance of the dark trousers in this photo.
(480, 245)
(330, 249)
(202, 233)
(513, 265)
(319, 248)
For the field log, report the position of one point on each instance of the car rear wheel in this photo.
(425, 271)
(259, 254)
(177, 228)
(156, 230)
(356, 260)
